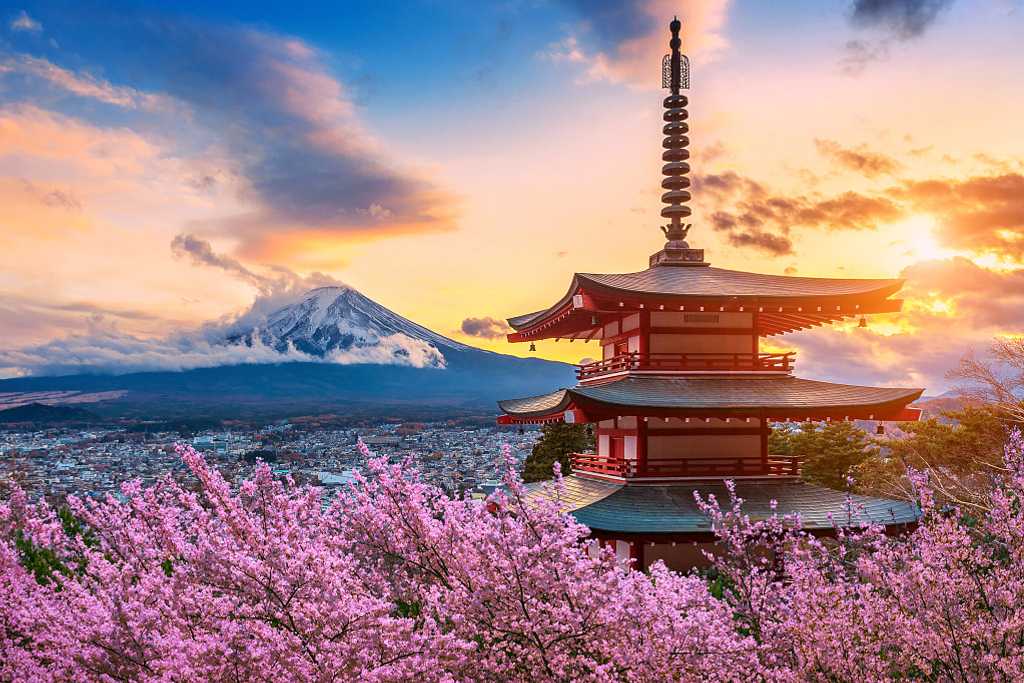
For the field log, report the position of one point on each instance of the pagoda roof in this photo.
(789, 302)
(671, 509)
(783, 397)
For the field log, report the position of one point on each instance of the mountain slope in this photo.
(371, 361)
(333, 319)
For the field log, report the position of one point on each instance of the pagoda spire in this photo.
(675, 75)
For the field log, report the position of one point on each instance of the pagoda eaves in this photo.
(776, 303)
(778, 399)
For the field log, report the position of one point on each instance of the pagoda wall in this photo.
(680, 557)
(680, 332)
(657, 446)
(625, 430)
(668, 441)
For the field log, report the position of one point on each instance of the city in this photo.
(61, 461)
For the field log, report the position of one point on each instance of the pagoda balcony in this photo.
(686, 468)
(698, 363)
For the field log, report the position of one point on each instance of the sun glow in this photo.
(918, 236)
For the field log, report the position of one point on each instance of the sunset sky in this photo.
(163, 165)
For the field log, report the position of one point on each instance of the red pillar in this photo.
(641, 446)
(764, 442)
(636, 553)
(644, 345)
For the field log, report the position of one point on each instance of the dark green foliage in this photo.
(558, 441)
(44, 563)
(830, 451)
(408, 610)
(966, 441)
(963, 452)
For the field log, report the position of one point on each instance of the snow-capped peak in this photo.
(328, 321)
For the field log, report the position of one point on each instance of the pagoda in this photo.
(682, 398)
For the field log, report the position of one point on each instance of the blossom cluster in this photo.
(394, 580)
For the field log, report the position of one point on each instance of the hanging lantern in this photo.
(880, 429)
(533, 347)
(863, 322)
(595, 321)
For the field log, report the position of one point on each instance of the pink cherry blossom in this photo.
(393, 580)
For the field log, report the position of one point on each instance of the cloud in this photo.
(104, 348)
(27, 321)
(280, 125)
(751, 216)
(112, 352)
(201, 253)
(276, 288)
(979, 298)
(486, 327)
(292, 132)
(771, 243)
(858, 54)
(915, 347)
(619, 41)
(84, 84)
(23, 22)
(983, 214)
(903, 19)
(895, 20)
(859, 159)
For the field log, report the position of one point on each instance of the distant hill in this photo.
(390, 366)
(935, 406)
(40, 413)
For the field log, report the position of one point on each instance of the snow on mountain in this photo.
(340, 324)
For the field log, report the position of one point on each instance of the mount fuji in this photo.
(333, 320)
(332, 350)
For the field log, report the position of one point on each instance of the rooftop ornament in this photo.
(675, 75)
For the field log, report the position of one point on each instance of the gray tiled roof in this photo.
(717, 282)
(715, 393)
(739, 392)
(536, 405)
(671, 508)
(699, 281)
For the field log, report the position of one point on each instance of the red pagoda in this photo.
(682, 398)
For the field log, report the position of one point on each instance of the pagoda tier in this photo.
(775, 398)
(662, 429)
(753, 303)
(662, 514)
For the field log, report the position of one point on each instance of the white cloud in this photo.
(23, 22)
(113, 352)
(85, 85)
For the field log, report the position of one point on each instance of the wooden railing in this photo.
(775, 466)
(692, 362)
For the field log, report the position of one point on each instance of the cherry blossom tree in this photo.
(393, 580)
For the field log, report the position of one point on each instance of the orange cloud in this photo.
(859, 159)
(979, 214)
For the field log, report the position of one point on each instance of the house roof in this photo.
(671, 509)
(708, 283)
(779, 397)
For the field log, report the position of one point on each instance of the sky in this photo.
(165, 167)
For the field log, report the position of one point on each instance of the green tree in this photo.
(829, 451)
(962, 451)
(558, 441)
